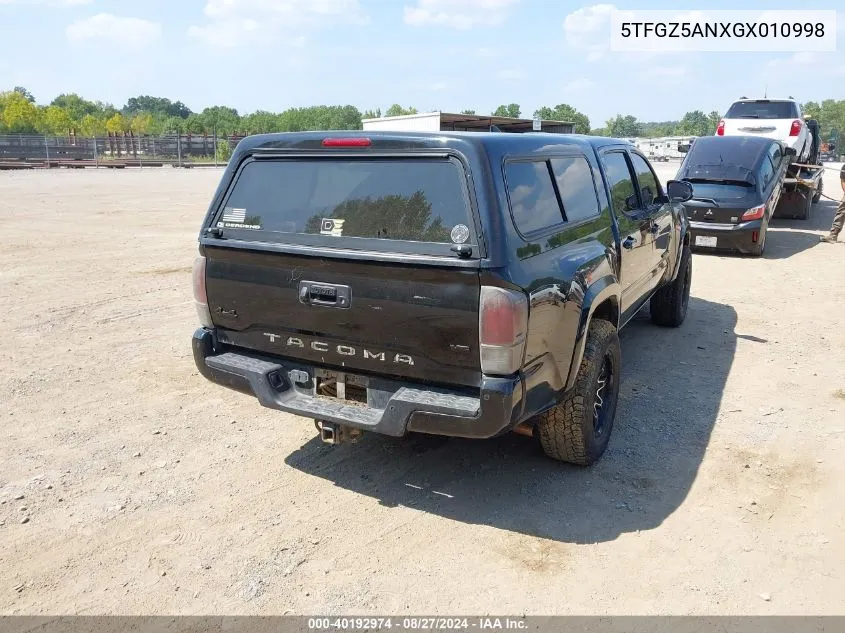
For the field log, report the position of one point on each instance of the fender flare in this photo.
(683, 224)
(598, 292)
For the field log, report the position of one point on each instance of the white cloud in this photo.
(231, 22)
(458, 14)
(440, 86)
(579, 85)
(486, 52)
(510, 73)
(588, 30)
(114, 28)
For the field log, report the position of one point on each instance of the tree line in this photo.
(147, 115)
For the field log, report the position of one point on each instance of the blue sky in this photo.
(431, 54)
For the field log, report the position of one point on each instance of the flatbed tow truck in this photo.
(802, 188)
(802, 182)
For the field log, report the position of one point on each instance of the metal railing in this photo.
(114, 150)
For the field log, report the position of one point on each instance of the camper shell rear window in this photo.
(414, 205)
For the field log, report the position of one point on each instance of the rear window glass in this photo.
(762, 110)
(577, 189)
(726, 150)
(715, 191)
(533, 201)
(417, 200)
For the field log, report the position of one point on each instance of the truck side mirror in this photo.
(678, 190)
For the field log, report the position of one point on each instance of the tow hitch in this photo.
(332, 433)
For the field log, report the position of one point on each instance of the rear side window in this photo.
(576, 186)
(331, 202)
(767, 171)
(763, 110)
(532, 196)
(649, 187)
(621, 182)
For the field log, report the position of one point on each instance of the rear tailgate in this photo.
(720, 203)
(299, 272)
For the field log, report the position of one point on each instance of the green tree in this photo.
(260, 122)
(92, 126)
(156, 105)
(117, 123)
(713, 119)
(220, 119)
(398, 110)
(141, 123)
(511, 110)
(25, 93)
(694, 123)
(372, 114)
(17, 114)
(565, 112)
(55, 120)
(624, 126)
(75, 106)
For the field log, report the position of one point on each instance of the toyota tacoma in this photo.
(457, 284)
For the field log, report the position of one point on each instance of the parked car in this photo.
(737, 182)
(778, 119)
(455, 284)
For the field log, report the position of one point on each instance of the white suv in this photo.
(779, 119)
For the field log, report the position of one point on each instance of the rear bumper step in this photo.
(393, 407)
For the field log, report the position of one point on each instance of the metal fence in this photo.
(25, 151)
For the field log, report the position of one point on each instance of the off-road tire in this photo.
(670, 304)
(567, 432)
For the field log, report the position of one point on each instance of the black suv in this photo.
(459, 284)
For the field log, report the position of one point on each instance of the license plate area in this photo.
(706, 241)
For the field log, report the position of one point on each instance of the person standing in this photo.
(839, 218)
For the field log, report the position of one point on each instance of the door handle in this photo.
(629, 242)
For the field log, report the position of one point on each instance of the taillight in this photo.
(795, 130)
(346, 142)
(503, 324)
(755, 214)
(200, 294)
(720, 130)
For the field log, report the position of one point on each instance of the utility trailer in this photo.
(802, 188)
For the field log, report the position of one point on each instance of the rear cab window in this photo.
(547, 194)
(413, 205)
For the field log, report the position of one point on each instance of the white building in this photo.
(448, 122)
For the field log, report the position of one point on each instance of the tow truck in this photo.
(803, 182)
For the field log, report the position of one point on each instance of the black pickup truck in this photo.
(457, 284)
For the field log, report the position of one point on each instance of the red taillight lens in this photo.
(795, 130)
(754, 214)
(200, 293)
(346, 142)
(720, 130)
(503, 322)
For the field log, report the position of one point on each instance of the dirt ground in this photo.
(130, 485)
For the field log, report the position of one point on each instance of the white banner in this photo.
(723, 31)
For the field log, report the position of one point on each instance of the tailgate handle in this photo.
(322, 294)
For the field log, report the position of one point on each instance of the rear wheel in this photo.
(761, 244)
(818, 194)
(669, 305)
(578, 429)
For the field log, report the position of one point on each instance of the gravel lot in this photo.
(129, 485)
